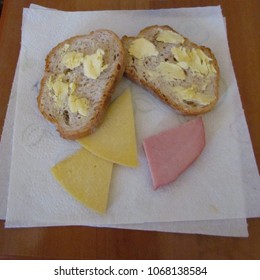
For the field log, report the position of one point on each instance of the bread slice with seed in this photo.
(80, 76)
(178, 71)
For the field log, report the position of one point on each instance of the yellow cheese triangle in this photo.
(86, 177)
(115, 139)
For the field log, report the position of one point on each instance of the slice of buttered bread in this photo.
(80, 76)
(179, 72)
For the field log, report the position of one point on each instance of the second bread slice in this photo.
(179, 72)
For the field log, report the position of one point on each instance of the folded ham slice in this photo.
(171, 152)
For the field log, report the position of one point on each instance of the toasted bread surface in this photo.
(192, 92)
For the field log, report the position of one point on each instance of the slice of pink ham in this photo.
(171, 152)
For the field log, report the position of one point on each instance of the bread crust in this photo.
(100, 110)
(132, 75)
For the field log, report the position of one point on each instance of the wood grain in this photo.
(99, 243)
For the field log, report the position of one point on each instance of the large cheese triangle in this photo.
(115, 139)
(86, 177)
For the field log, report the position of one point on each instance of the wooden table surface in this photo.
(97, 243)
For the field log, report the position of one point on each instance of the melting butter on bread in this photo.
(80, 76)
(178, 71)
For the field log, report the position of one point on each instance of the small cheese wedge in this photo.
(115, 139)
(85, 177)
(171, 152)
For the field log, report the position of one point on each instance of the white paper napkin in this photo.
(30, 186)
(234, 228)
(6, 147)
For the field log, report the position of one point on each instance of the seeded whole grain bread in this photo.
(73, 125)
(138, 71)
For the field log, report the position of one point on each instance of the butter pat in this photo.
(199, 64)
(195, 59)
(180, 53)
(168, 36)
(78, 104)
(72, 59)
(191, 94)
(58, 89)
(85, 177)
(141, 48)
(61, 89)
(93, 64)
(170, 71)
(205, 62)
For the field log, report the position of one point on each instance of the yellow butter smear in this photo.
(72, 59)
(170, 71)
(141, 48)
(195, 59)
(191, 94)
(78, 105)
(168, 36)
(167, 71)
(58, 89)
(92, 64)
